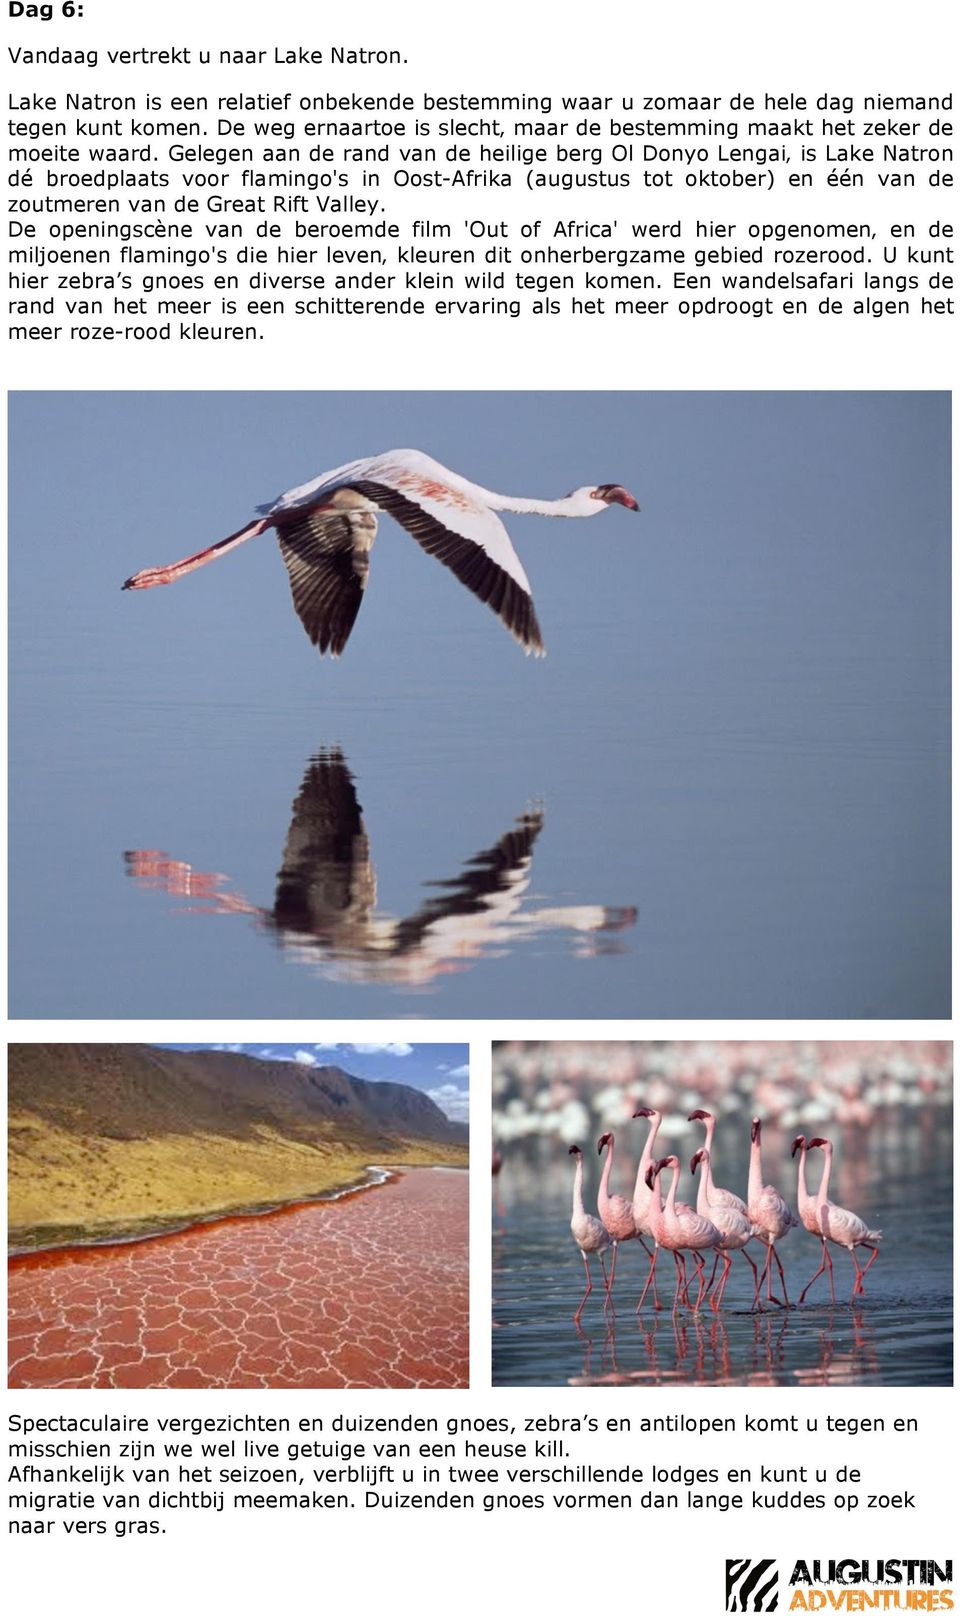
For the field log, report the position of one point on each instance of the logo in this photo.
(842, 1585)
(752, 1585)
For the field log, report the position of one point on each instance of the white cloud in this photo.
(459, 1071)
(381, 1049)
(303, 1057)
(453, 1102)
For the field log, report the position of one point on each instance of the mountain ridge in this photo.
(117, 1139)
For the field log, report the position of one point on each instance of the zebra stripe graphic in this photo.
(750, 1583)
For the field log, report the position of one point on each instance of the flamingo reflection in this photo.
(324, 913)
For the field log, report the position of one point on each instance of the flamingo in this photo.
(718, 1196)
(676, 1226)
(721, 1196)
(325, 913)
(642, 1197)
(587, 1231)
(326, 530)
(809, 1217)
(734, 1225)
(616, 1212)
(770, 1215)
(842, 1227)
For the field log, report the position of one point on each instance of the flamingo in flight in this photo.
(326, 530)
(837, 1224)
(587, 1231)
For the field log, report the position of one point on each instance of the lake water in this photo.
(898, 1334)
(723, 793)
(368, 1290)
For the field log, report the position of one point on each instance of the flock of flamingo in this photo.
(721, 1222)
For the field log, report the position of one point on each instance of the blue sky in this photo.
(440, 1070)
(741, 727)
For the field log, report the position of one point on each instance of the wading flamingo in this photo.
(643, 1195)
(326, 530)
(676, 1226)
(807, 1207)
(842, 1227)
(587, 1231)
(770, 1214)
(734, 1225)
(718, 1196)
(616, 1212)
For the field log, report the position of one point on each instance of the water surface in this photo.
(724, 792)
(898, 1334)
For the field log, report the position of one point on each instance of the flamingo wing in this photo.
(448, 516)
(844, 1227)
(490, 880)
(695, 1228)
(327, 873)
(327, 556)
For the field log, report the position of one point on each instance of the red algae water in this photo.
(370, 1290)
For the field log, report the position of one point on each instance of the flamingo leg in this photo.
(680, 1295)
(613, 1274)
(823, 1263)
(754, 1267)
(176, 569)
(717, 1297)
(681, 1280)
(651, 1276)
(583, 1299)
(701, 1270)
(861, 1272)
(783, 1277)
(758, 1298)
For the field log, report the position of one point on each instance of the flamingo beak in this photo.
(644, 1111)
(650, 1175)
(603, 1140)
(814, 1144)
(616, 494)
(754, 1130)
(574, 1151)
(698, 1116)
(696, 1160)
(798, 1144)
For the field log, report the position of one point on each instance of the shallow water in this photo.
(371, 1289)
(735, 754)
(898, 1334)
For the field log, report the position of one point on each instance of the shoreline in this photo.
(375, 1177)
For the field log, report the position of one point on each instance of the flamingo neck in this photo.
(569, 506)
(640, 1191)
(669, 1209)
(578, 1188)
(656, 1211)
(825, 1175)
(803, 1194)
(755, 1179)
(705, 1195)
(605, 1175)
